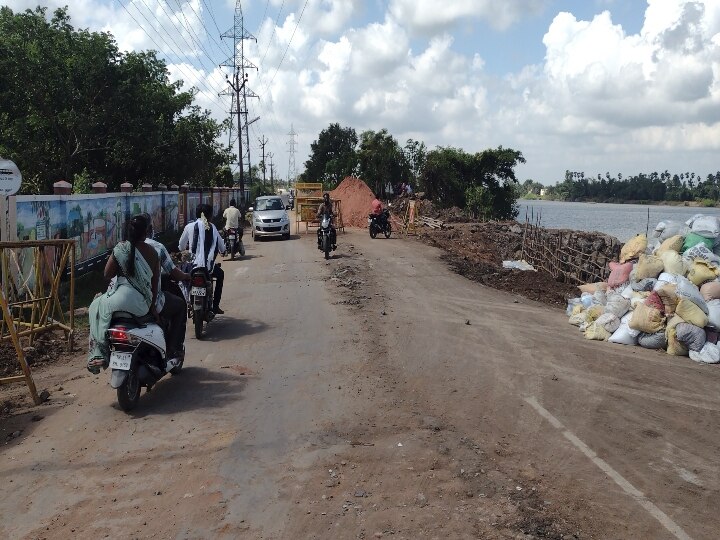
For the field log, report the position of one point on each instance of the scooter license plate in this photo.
(198, 291)
(120, 360)
(231, 237)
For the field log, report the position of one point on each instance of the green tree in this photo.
(451, 175)
(332, 156)
(415, 153)
(71, 102)
(381, 161)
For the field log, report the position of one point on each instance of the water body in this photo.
(620, 220)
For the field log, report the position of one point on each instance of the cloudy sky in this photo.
(589, 85)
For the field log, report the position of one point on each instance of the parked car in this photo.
(270, 218)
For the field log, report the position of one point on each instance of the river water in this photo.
(620, 220)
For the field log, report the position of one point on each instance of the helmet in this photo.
(326, 197)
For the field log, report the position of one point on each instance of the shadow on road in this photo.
(225, 327)
(195, 388)
(242, 258)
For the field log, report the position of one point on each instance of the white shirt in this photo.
(188, 236)
(232, 215)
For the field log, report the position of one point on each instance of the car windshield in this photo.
(270, 204)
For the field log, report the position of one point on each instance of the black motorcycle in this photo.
(233, 242)
(380, 224)
(201, 299)
(326, 236)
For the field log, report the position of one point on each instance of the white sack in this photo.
(665, 278)
(706, 226)
(687, 289)
(709, 354)
(714, 314)
(666, 229)
(700, 251)
(624, 335)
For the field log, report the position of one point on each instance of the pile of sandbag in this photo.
(663, 294)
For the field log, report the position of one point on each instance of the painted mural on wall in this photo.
(95, 222)
(172, 211)
(40, 219)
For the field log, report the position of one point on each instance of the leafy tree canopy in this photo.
(332, 156)
(72, 104)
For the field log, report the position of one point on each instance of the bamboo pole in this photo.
(18, 348)
(71, 333)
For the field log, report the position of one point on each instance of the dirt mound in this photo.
(477, 251)
(356, 198)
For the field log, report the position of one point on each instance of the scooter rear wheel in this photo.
(128, 393)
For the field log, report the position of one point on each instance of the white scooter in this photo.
(137, 356)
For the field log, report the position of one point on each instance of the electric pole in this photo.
(263, 141)
(237, 87)
(272, 172)
(240, 92)
(292, 143)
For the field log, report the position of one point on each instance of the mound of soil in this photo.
(356, 199)
(477, 251)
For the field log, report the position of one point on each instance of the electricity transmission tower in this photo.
(240, 93)
(292, 144)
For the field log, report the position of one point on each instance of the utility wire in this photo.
(196, 39)
(288, 45)
(219, 44)
(160, 48)
(170, 18)
(277, 20)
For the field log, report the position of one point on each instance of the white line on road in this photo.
(627, 487)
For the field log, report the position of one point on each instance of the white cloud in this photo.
(429, 15)
(653, 93)
(601, 99)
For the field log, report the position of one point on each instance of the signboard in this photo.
(10, 178)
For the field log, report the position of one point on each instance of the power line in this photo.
(196, 39)
(288, 45)
(219, 44)
(277, 20)
(180, 67)
(170, 18)
(212, 16)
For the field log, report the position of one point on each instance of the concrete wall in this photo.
(97, 221)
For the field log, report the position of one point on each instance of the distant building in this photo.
(543, 191)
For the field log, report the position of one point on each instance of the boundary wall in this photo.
(96, 222)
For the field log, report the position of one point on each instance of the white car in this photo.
(270, 217)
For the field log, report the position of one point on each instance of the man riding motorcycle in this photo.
(326, 209)
(205, 242)
(170, 307)
(233, 220)
(377, 208)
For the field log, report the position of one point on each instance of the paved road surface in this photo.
(377, 395)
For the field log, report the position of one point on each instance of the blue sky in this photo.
(624, 86)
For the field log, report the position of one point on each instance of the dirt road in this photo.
(377, 395)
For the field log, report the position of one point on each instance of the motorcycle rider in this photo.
(170, 306)
(377, 210)
(233, 220)
(326, 209)
(205, 242)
